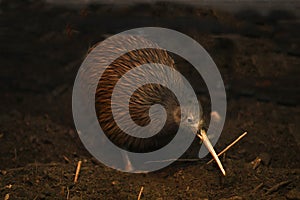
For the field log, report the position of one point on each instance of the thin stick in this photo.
(277, 187)
(6, 197)
(77, 171)
(68, 193)
(140, 194)
(257, 188)
(229, 146)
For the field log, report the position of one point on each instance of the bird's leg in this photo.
(202, 135)
(127, 162)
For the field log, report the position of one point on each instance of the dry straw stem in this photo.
(140, 194)
(77, 171)
(277, 187)
(6, 197)
(68, 193)
(229, 146)
(257, 188)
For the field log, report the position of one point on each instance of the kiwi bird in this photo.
(142, 99)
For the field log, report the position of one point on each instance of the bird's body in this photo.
(143, 98)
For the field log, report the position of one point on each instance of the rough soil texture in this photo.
(41, 49)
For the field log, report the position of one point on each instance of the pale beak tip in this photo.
(224, 173)
(210, 148)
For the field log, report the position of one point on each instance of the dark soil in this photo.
(41, 49)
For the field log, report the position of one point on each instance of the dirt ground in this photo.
(41, 49)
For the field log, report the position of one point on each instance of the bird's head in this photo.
(190, 119)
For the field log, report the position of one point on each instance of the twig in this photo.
(256, 163)
(257, 188)
(6, 197)
(6, 187)
(77, 171)
(229, 146)
(140, 194)
(277, 186)
(68, 193)
(66, 159)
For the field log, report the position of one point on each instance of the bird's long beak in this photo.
(210, 148)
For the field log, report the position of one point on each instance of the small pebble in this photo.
(3, 172)
(115, 183)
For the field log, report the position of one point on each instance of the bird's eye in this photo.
(189, 120)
